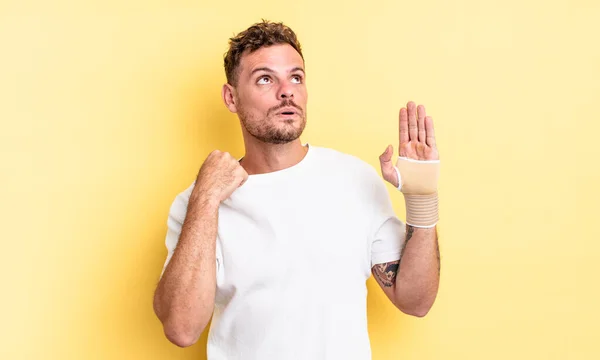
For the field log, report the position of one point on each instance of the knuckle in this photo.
(227, 156)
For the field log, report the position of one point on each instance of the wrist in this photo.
(203, 201)
(422, 211)
(417, 180)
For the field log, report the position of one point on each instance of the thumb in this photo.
(386, 157)
(387, 167)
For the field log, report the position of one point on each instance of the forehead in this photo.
(279, 58)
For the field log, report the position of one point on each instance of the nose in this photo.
(286, 91)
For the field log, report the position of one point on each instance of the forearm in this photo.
(417, 281)
(184, 298)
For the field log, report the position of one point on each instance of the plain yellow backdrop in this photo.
(108, 109)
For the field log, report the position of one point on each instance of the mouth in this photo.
(287, 112)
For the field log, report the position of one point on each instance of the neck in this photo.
(263, 158)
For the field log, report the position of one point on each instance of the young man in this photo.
(277, 247)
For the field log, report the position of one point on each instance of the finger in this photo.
(412, 121)
(421, 123)
(403, 127)
(386, 157)
(430, 132)
(387, 167)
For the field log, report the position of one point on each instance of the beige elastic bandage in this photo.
(417, 180)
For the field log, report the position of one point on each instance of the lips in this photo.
(287, 111)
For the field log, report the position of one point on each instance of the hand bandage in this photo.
(418, 181)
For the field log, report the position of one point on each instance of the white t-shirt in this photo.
(295, 248)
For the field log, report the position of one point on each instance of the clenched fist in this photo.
(219, 176)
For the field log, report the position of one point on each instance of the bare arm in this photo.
(184, 298)
(412, 282)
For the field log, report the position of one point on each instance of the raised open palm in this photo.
(417, 140)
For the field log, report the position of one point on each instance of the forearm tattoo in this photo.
(386, 273)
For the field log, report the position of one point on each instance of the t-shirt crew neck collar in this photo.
(278, 174)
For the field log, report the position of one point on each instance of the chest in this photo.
(298, 240)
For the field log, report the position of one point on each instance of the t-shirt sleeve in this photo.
(177, 213)
(175, 220)
(388, 231)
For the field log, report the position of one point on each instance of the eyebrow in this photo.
(269, 70)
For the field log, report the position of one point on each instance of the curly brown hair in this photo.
(263, 34)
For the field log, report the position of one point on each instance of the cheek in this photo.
(302, 94)
(262, 96)
(257, 105)
(251, 101)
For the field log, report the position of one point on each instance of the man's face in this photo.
(271, 94)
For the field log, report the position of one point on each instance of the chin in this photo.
(277, 131)
(282, 137)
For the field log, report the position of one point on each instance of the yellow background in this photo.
(108, 109)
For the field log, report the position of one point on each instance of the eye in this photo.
(263, 80)
(297, 79)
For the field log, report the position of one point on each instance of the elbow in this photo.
(178, 331)
(181, 336)
(417, 310)
(417, 305)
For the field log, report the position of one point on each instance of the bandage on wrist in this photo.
(417, 180)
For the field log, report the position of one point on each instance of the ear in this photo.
(228, 94)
